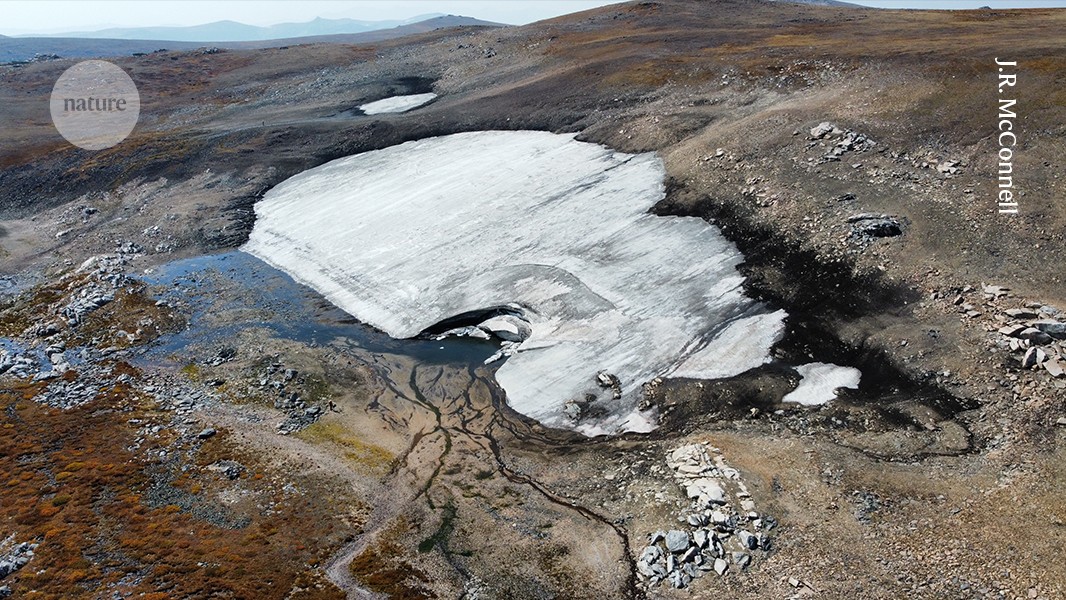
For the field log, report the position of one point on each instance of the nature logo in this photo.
(95, 105)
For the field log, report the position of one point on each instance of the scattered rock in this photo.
(1012, 330)
(15, 556)
(994, 291)
(822, 129)
(700, 538)
(706, 491)
(1033, 357)
(572, 410)
(609, 380)
(230, 468)
(866, 226)
(948, 167)
(1034, 336)
(225, 354)
(741, 559)
(1020, 313)
(720, 535)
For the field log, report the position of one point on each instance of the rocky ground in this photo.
(187, 429)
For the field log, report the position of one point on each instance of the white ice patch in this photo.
(820, 382)
(405, 237)
(396, 104)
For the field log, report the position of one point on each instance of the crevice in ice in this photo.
(470, 318)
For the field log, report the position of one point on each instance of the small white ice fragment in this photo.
(396, 104)
(820, 382)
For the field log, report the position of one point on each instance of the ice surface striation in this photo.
(556, 229)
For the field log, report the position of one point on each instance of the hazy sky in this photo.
(39, 16)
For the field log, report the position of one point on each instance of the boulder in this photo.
(649, 563)
(651, 554)
(679, 579)
(994, 291)
(1033, 356)
(1035, 336)
(706, 491)
(747, 539)
(572, 410)
(875, 226)
(1055, 367)
(1053, 328)
(677, 541)
(720, 566)
(741, 559)
(821, 130)
(1012, 330)
(603, 378)
(700, 538)
(1020, 313)
(646, 569)
(690, 554)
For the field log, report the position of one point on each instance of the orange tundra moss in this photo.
(72, 484)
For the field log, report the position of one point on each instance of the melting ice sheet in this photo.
(396, 104)
(820, 382)
(405, 237)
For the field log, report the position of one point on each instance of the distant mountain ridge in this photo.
(823, 3)
(16, 49)
(234, 31)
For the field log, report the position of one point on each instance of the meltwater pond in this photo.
(253, 294)
(603, 296)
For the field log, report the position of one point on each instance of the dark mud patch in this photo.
(781, 271)
(406, 86)
(399, 86)
(883, 417)
(238, 216)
